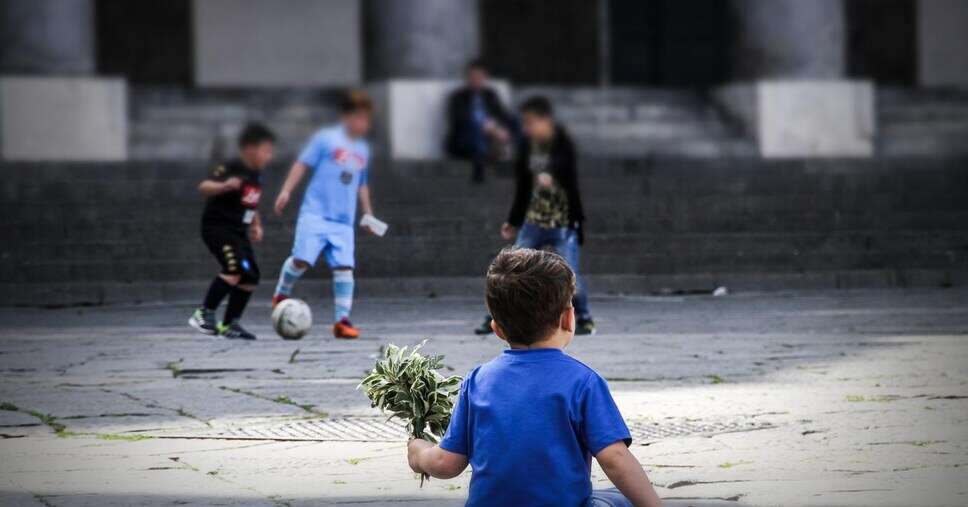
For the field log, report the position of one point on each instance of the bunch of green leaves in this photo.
(407, 385)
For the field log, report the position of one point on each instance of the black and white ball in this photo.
(292, 319)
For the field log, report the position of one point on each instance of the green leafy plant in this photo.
(407, 385)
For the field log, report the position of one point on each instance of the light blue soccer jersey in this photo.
(339, 167)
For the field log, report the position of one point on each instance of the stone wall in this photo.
(280, 43)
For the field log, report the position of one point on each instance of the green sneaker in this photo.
(234, 331)
(203, 320)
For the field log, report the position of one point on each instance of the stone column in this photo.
(47, 37)
(777, 39)
(420, 38)
(793, 95)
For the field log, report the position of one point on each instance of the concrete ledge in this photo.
(187, 292)
(63, 119)
(804, 118)
(411, 116)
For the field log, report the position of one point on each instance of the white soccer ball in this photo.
(292, 318)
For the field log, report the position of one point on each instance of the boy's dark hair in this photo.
(526, 292)
(255, 133)
(355, 101)
(476, 64)
(538, 105)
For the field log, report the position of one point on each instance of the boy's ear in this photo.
(497, 330)
(567, 321)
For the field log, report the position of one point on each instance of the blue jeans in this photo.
(564, 241)
(611, 497)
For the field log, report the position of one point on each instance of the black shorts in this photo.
(233, 251)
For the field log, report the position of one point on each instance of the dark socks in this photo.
(237, 301)
(216, 293)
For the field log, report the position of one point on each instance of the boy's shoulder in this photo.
(565, 364)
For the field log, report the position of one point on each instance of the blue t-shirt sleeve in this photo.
(602, 423)
(314, 151)
(456, 438)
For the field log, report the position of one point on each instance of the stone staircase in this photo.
(922, 122)
(92, 233)
(632, 122)
(177, 123)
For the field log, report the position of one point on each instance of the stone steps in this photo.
(137, 223)
(922, 122)
(641, 122)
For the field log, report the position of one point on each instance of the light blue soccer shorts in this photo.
(315, 235)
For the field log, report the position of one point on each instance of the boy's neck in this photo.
(248, 163)
(555, 341)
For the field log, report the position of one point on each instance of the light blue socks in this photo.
(287, 277)
(342, 293)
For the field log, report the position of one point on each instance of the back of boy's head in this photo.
(537, 105)
(255, 133)
(527, 291)
(356, 101)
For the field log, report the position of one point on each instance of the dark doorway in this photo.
(541, 41)
(669, 42)
(882, 40)
(147, 42)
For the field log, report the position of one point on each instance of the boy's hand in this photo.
(508, 231)
(231, 184)
(414, 448)
(255, 233)
(281, 201)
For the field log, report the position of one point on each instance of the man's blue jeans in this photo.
(564, 241)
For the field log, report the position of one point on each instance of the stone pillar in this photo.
(421, 38)
(793, 96)
(789, 39)
(47, 37)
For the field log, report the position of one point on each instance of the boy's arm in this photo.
(255, 230)
(295, 175)
(210, 187)
(427, 458)
(628, 475)
(365, 203)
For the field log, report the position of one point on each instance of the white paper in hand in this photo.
(378, 227)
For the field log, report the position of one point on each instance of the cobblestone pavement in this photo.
(812, 398)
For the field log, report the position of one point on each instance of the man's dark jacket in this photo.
(460, 122)
(562, 167)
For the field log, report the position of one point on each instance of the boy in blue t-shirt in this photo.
(336, 158)
(529, 421)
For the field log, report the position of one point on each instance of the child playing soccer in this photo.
(337, 158)
(230, 220)
(529, 421)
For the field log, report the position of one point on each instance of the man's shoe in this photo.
(484, 328)
(203, 320)
(344, 330)
(278, 298)
(234, 331)
(585, 327)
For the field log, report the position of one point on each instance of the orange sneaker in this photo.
(278, 298)
(345, 330)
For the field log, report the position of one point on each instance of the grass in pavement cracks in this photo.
(281, 399)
